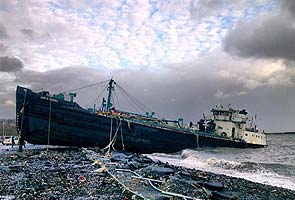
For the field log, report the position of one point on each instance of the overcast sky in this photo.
(179, 57)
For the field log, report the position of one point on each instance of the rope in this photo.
(129, 101)
(100, 94)
(134, 100)
(122, 139)
(105, 169)
(108, 146)
(23, 111)
(112, 140)
(85, 86)
(199, 187)
(150, 181)
(124, 186)
(49, 121)
(117, 100)
(119, 126)
(115, 137)
(22, 122)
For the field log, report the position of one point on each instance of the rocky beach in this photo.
(78, 173)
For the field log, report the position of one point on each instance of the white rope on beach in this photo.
(156, 188)
(199, 187)
(124, 186)
(143, 178)
(91, 155)
(104, 168)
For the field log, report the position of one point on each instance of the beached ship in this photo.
(42, 118)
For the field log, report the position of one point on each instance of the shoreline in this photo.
(281, 133)
(80, 173)
(250, 170)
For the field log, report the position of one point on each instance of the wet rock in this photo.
(154, 170)
(119, 157)
(133, 165)
(185, 174)
(147, 160)
(213, 186)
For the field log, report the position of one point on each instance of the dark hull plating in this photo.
(71, 125)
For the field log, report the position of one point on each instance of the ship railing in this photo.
(150, 121)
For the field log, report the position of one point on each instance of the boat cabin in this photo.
(232, 123)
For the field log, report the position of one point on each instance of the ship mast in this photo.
(110, 89)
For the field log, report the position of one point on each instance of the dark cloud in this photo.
(265, 37)
(58, 80)
(54, 81)
(10, 64)
(165, 93)
(170, 94)
(272, 38)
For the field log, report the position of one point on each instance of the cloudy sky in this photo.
(179, 57)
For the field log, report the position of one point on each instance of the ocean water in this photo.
(273, 165)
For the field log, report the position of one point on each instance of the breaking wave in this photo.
(269, 165)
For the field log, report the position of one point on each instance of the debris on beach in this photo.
(88, 174)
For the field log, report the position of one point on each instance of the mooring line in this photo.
(20, 145)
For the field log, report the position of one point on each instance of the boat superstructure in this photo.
(42, 118)
(233, 123)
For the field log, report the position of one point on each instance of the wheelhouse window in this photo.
(222, 113)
